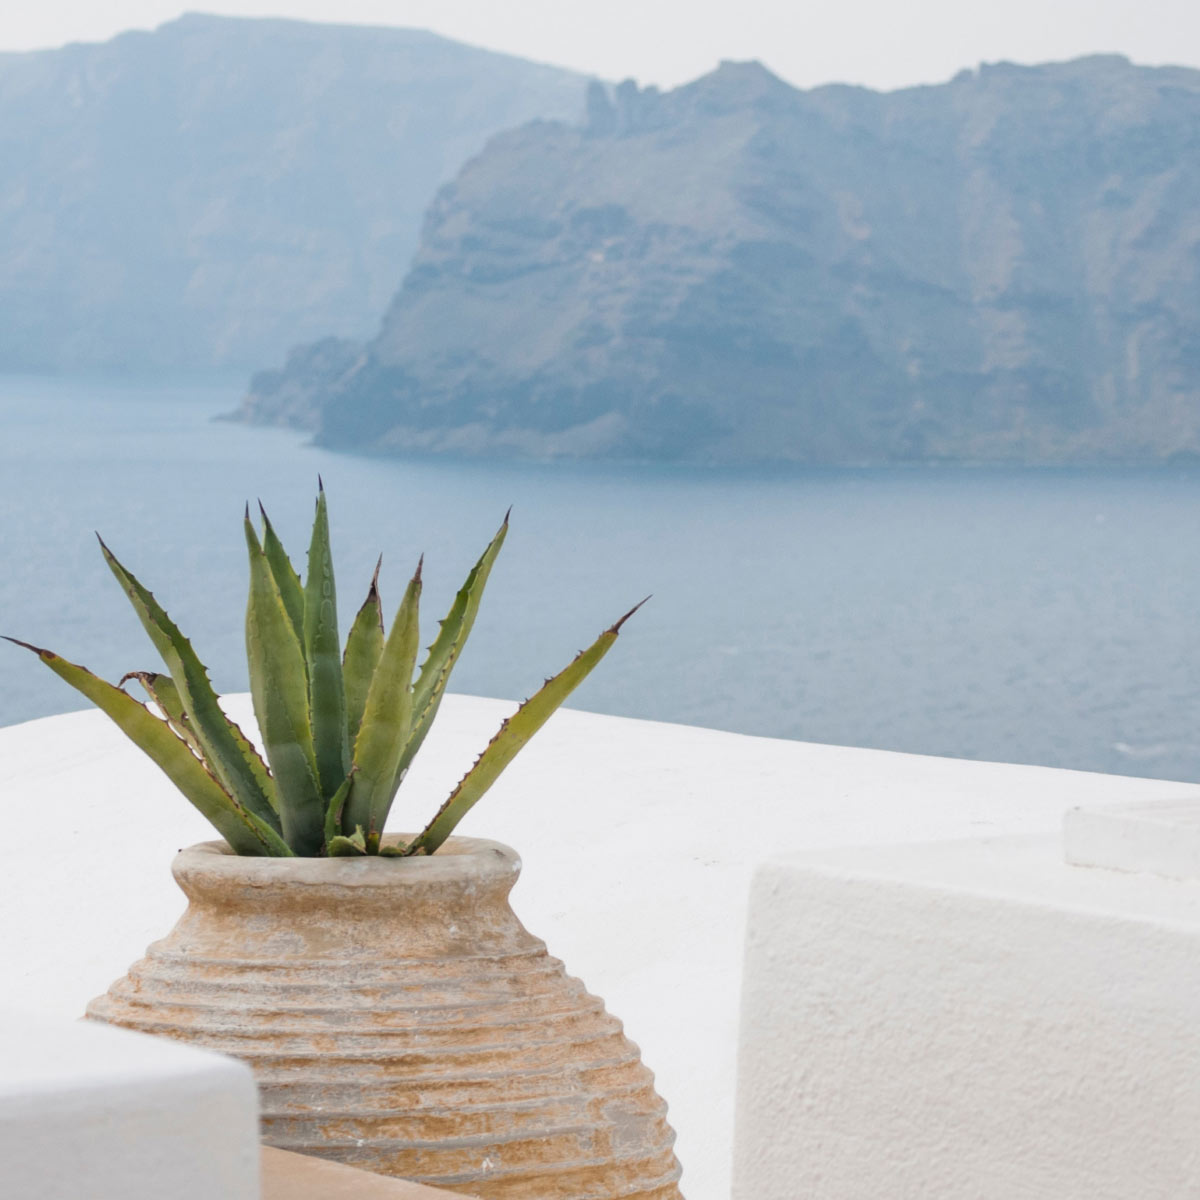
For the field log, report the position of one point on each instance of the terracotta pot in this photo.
(399, 1017)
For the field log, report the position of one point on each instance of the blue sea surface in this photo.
(1042, 616)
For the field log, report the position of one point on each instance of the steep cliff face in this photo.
(1005, 267)
(217, 190)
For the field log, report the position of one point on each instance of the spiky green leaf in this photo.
(337, 805)
(161, 689)
(445, 650)
(342, 847)
(285, 574)
(279, 689)
(364, 645)
(226, 750)
(387, 717)
(512, 736)
(245, 832)
(323, 655)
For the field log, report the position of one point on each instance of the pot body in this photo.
(399, 1017)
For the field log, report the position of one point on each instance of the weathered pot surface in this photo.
(399, 1017)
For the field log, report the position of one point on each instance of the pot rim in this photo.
(459, 860)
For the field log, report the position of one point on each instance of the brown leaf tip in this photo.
(26, 645)
(617, 627)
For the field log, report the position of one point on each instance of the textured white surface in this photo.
(89, 1111)
(1162, 837)
(970, 1020)
(639, 840)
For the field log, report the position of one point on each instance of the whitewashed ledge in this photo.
(639, 841)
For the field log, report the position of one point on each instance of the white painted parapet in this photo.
(1161, 836)
(684, 815)
(971, 1020)
(91, 1112)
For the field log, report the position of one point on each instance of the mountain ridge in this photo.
(1004, 267)
(210, 192)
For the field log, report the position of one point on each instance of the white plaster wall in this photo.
(1162, 837)
(104, 1114)
(639, 841)
(969, 1021)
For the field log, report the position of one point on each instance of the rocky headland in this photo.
(1002, 268)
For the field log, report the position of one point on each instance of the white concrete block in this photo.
(91, 1111)
(968, 1021)
(1159, 836)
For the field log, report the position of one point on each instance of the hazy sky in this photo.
(883, 43)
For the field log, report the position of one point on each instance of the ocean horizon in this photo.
(1025, 615)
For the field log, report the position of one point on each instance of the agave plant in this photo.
(339, 727)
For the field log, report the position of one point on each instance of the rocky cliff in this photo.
(215, 191)
(1002, 268)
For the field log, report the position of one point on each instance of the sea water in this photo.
(1041, 616)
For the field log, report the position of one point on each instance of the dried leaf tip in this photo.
(320, 484)
(617, 627)
(506, 516)
(417, 572)
(36, 649)
(373, 590)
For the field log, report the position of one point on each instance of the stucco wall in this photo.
(973, 1020)
(90, 1111)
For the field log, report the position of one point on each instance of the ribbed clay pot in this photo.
(399, 1017)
